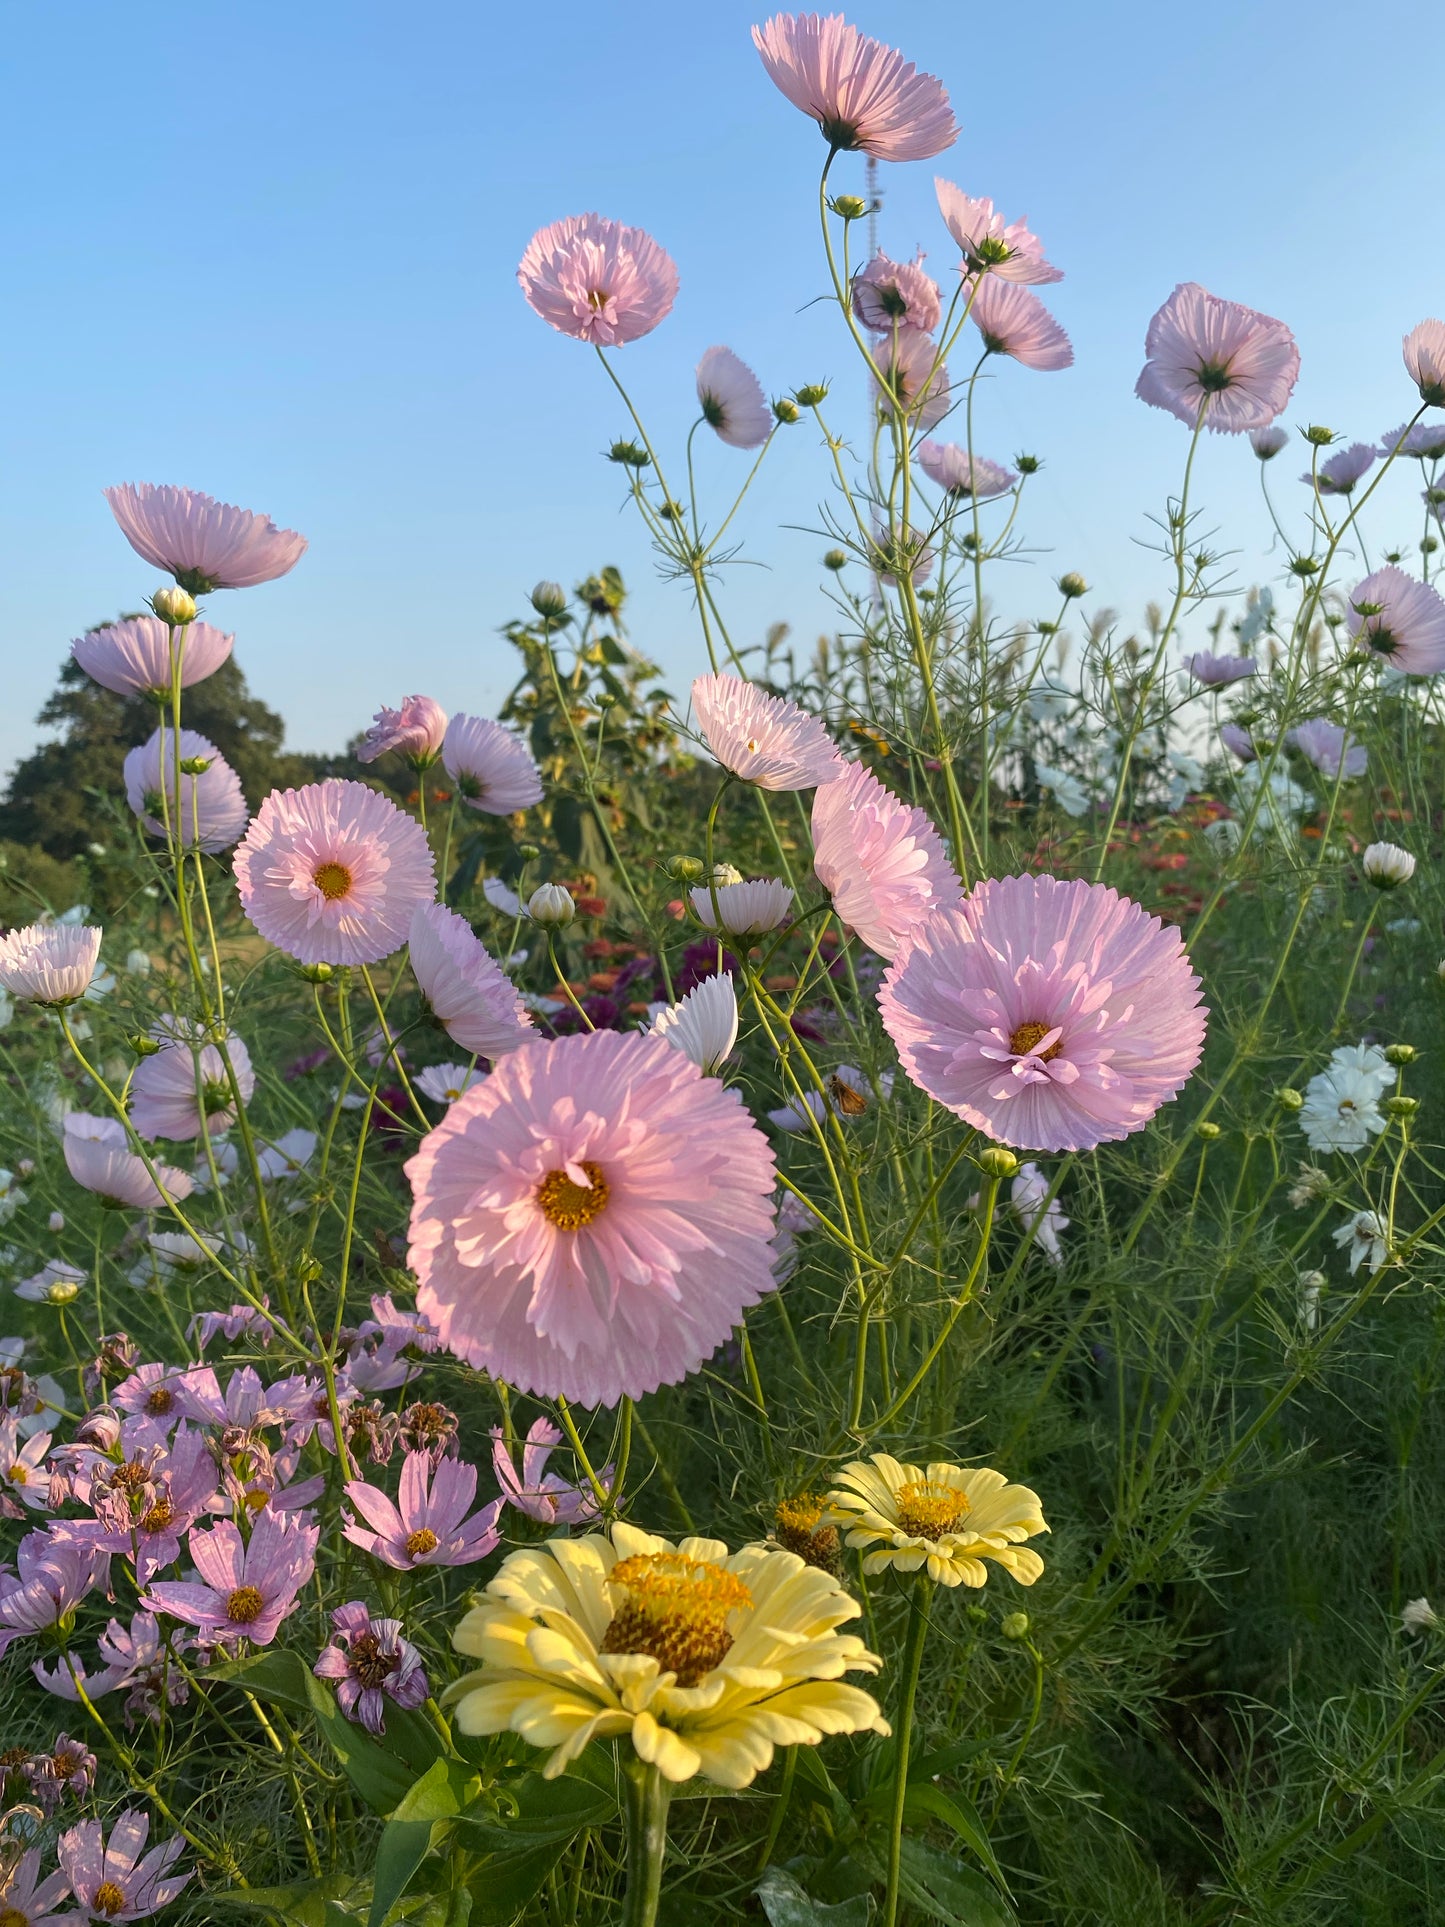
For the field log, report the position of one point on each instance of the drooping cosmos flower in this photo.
(1217, 672)
(428, 1525)
(445, 1083)
(469, 993)
(732, 400)
(416, 732)
(941, 1518)
(182, 1090)
(704, 1025)
(541, 1494)
(49, 963)
(745, 909)
(1238, 741)
(896, 294)
(1424, 352)
(134, 657)
(97, 1155)
(954, 469)
(1425, 441)
(1365, 1239)
(988, 243)
(900, 553)
(1016, 323)
(1325, 743)
(1400, 618)
(705, 1660)
(1387, 866)
(761, 738)
(1340, 473)
(1052, 1015)
(915, 382)
(212, 811)
(597, 280)
(203, 543)
(593, 1220)
(1203, 353)
(332, 873)
(863, 95)
(881, 861)
(1036, 1211)
(244, 1590)
(1341, 1109)
(1268, 442)
(52, 1577)
(371, 1663)
(491, 768)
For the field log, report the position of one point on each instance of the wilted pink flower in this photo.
(53, 1576)
(1240, 367)
(593, 1220)
(1054, 1016)
(597, 280)
(1267, 442)
(732, 400)
(1425, 441)
(49, 963)
(36, 1902)
(896, 294)
(180, 1489)
(134, 657)
(331, 873)
(428, 1526)
(371, 1664)
(182, 1090)
(97, 1156)
(491, 768)
(1014, 322)
(1217, 672)
(241, 1321)
(416, 731)
(244, 1590)
(989, 244)
(111, 1881)
(761, 738)
(1238, 741)
(911, 381)
(1424, 352)
(954, 469)
(1339, 474)
(1324, 744)
(862, 94)
(212, 811)
(1397, 616)
(205, 544)
(69, 1767)
(469, 993)
(882, 862)
(538, 1492)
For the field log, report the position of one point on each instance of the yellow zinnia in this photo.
(942, 1516)
(705, 1659)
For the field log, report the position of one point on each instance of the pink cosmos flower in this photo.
(212, 811)
(243, 1590)
(165, 1394)
(21, 1463)
(181, 1488)
(182, 1091)
(69, 1767)
(882, 862)
(899, 552)
(953, 468)
(593, 1220)
(110, 1880)
(912, 383)
(896, 294)
(53, 1576)
(97, 1156)
(1324, 744)
(241, 1321)
(597, 280)
(33, 1901)
(1238, 741)
(1425, 441)
(862, 94)
(490, 766)
(416, 730)
(1267, 442)
(371, 1664)
(428, 1526)
(989, 244)
(49, 963)
(331, 873)
(1014, 322)
(1339, 474)
(1217, 672)
(763, 739)
(732, 400)
(134, 657)
(1054, 1016)
(469, 993)
(1424, 352)
(1240, 367)
(538, 1492)
(203, 543)
(1397, 616)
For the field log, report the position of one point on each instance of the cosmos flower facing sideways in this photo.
(535, 1491)
(732, 400)
(763, 739)
(915, 382)
(203, 543)
(1016, 323)
(49, 963)
(954, 469)
(1424, 353)
(182, 1090)
(1268, 442)
(896, 294)
(864, 96)
(748, 908)
(941, 1518)
(466, 989)
(1400, 619)
(212, 810)
(98, 1155)
(1218, 672)
(416, 732)
(491, 768)
(597, 280)
(881, 861)
(134, 657)
(989, 244)
(1215, 359)
(1329, 746)
(703, 1025)
(1339, 474)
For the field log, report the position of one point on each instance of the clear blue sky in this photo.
(269, 252)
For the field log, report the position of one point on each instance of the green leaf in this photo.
(786, 1905)
(504, 1886)
(381, 1779)
(310, 1903)
(421, 1822)
(949, 1891)
(545, 1810)
(925, 1801)
(814, 1775)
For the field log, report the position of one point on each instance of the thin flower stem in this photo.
(647, 1795)
(915, 1639)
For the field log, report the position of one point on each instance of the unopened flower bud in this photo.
(1386, 865)
(1015, 1626)
(1027, 464)
(998, 1162)
(1400, 1054)
(174, 606)
(56, 1221)
(1428, 545)
(195, 765)
(1288, 1099)
(1318, 437)
(978, 1614)
(143, 1044)
(100, 1428)
(629, 455)
(849, 207)
(786, 410)
(549, 599)
(684, 869)
(811, 395)
(1208, 1130)
(1072, 585)
(670, 511)
(835, 560)
(1304, 565)
(26, 1167)
(1419, 1616)
(551, 906)
(528, 852)
(317, 973)
(723, 873)
(1401, 1107)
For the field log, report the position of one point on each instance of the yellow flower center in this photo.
(927, 1508)
(12, 1917)
(420, 1541)
(159, 1516)
(675, 1609)
(570, 1206)
(108, 1898)
(160, 1401)
(1026, 1037)
(333, 880)
(18, 1475)
(130, 1476)
(796, 1529)
(244, 1605)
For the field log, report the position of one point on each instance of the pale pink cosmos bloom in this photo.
(596, 280)
(732, 400)
(35, 1902)
(491, 768)
(21, 1460)
(763, 739)
(540, 1493)
(881, 861)
(428, 1526)
(862, 94)
(915, 382)
(745, 909)
(332, 873)
(244, 1588)
(953, 468)
(416, 730)
(989, 244)
(1218, 672)
(1054, 1016)
(134, 657)
(1268, 442)
(1339, 474)
(1016, 323)
(592, 1221)
(212, 812)
(469, 993)
(110, 1880)
(1424, 352)
(1238, 741)
(52, 1577)
(182, 1091)
(49, 963)
(896, 294)
(898, 552)
(1324, 744)
(1425, 441)
(203, 543)
(1398, 617)
(1237, 366)
(97, 1156)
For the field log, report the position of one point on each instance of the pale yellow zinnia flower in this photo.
(942, 1516)
(705, 1659)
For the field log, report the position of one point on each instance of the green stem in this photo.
(903, 1733)
(647, 1797)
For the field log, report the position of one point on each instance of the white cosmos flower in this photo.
(1419, 1616)
(1363, 1237)
(744, 909)
(1386, 865)
(1027, 1197)
(502, 898)
(704, 1025)
(1067, 791)
(444, 1083)
(1341, 1109)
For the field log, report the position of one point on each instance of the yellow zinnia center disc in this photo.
(927, 1509)
(569, 1206)
(1027, 1036)
(674, 1609)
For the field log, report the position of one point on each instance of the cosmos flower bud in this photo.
(195, 765)
(143, 1044)
(811, 395)
(1304, 565)
(1386, 865)
(1400, 1107)
(528, 852)
(1027, 464)
(551, 906)
(785, 410)
(1318, 437)
(174, 606)
(629, 455)
(725, 873)
(1288, 1100)
(684, 869)
(1015, 1626)
(1208, 1130)
(835, 560)
(849, 207)
(1400, 1054)
(549, 599)
(317, 973)
(1072, 585)
(997, 1162)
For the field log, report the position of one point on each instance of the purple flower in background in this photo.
(1217, 672)
(954, 469)
(371, 1663)
(428, 1524)
(1425, 441)
(243, 1591)
(135, 1657)
(20, 1464)
(1401, 620)
(732, 400)
(539, 1493)
(54, 1576)
(1268, 442)
(241, 1321)
(1339, 474)
(1238, 741)
(112, 1882)
(1324, 744)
